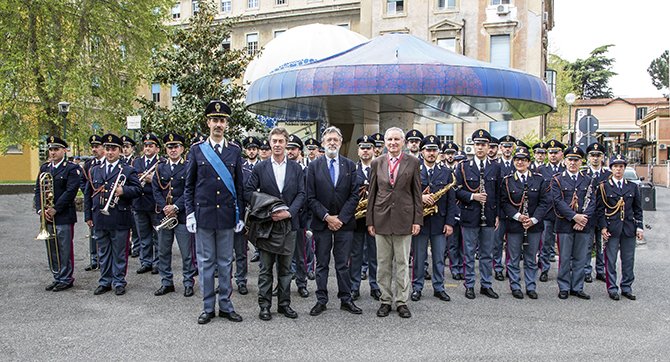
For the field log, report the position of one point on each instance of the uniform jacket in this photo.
(145, 202)
(610, 214)
(562, 190)
(468, 178)
(166, 181)
(66, 183)
(548, 173)
(511, 201)
(446, 205)
(99, 189)
(363, 181)
(505, 170)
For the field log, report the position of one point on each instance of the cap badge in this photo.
(109, 138)
(171, 137)
(217, 106)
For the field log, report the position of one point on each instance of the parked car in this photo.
(631, 175)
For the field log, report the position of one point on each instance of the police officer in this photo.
(98, 153)
(168, 189)
(128, 158)
(493, 149)
(300, 261)
(539, 153)
(214, 203)
(507, 144)
(620, 221)
(61, 215)
(144, 207)
(414, 138)
(251, 145)
(111, 220)
(378, 139)
(524, 204)
(264, 151)
(312, 145)
(598, 174)
(553, 167)
(449, 150)
(575, 205)
(437, 226)
(478, 226)
(455, 240)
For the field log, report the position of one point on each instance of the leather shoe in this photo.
(588, 278)
(232, 316)
(442, 295)
(355, 294)
(144, 269)
(600, 277)
(384, 310)
(154, 270)
(61, 287)
(164, 290)
(317, 309)
(416, 296)
(563, 294)
(351, 308)
(544, 277)
(376, 294)
(614, 296)
(188, 291)
(91, 267)
(51, 286)
(242, 289)
(426, 277)
(311, 275)
(470, 293)
(516, 293)
(120, 290)
(303, 292)
(101, 289)
(287, 312)
(628, 295)
(205, 317)
(532, 294)
(499, 276)
(580, 294)
(488, 292)
(265, 314)
(255, 258)
(403, 311)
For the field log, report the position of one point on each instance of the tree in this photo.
(201, 68)
(591, 76)
(658, 71)
(564, 85)
(87, 52)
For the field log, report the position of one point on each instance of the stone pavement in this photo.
(76, 325)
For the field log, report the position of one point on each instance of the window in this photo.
(446, 4)
(174, 92)
(156, 92)
(277, 33)
(14, 150)
(498, 129)
(226, 44)
(550, 78)
(281, 2)
(252, 43)
(226, 6)
(447, 43)
(176, 11)
(252, 4)
(195, 7)
(498, 2)
(500, 51)
(394, 7)
(640, 112)
(122, 51)
(445, 132)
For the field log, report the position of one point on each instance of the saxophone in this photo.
(362, 207)
(430, 210)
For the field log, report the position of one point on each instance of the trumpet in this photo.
(147, 172)
(430, 210)
(47, 228)
(113, 200)
(168, 222)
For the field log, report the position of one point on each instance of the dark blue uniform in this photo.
(92, 243)
(547, 251)
(597, 177)
(455, 240)
(363, 243)
(506, 168)
(146, 218)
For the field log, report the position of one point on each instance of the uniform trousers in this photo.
(339, 243)
(62, 255)
(361, 242)
(214, 249)
(573, 256)
(93, 247)
(113, 246)
(626, 247)
(548, 241)
(300, 258)
(241, 265)
(186, 249)
(499, 246)
(145, 222)
(515, 249)
(478, 238)
(134, 238)
(455, 250)
(438, 245)
(393, 250)
(600, 260)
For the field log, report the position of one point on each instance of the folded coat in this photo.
(264, 233)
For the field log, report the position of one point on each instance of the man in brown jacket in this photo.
(394, 214)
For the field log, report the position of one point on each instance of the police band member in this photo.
(620, 221)
(438, 225)
(264, 151)
(539, 153)
(128, 157)
(60, 215)
(312, 146)
(449, 150)
(478, 194)
(300, 261)
(414, 138)
(107, 208)
(378, 139)
(455, 240)
(524, 203)
(98, 158)
(574, 201)
(251, 145)
(168, 189)
(492, 153)
(553, 167)
(598, 174)
(144, 207)
(507, 144)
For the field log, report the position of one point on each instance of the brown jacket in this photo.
(392, 210)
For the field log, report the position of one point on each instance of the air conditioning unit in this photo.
(468, 140)
(662, 146)
(469, 149)
(502, 9)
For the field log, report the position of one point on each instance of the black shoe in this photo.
(303, 292)
(403, 311)
(470, 293)
(61, 287)
(588, 278)
(499, 276)
(563, 294)
(364, 276)
(232, 316)
(532, 294)
(92, 267)
(516, 293)
(242, 289)
(101, 289)
(580, 295)
(51, 286)
(355, 294)
(188, 291)
(416, 296)
(600, 277)
(311, 276)
(614, 296)
(426, 277)
(265, 314)
(376, 294)
(384, 310)
(275, 291)
(164, 290)
(442, 296)
(135, 254)
(154, 270)
(317, 309)
(544, 277)
(120, 290)
(287, 312)
(205, 317)
(144, 269)
(488, 292)
(254, 259)
(351, 308)
(628, 295)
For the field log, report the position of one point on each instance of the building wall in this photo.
(20, 166)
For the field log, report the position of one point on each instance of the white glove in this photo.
(239, 226)
(190, 223)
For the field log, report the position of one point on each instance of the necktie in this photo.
(523, 179)
(217, 149)
(394, 162)
(172, 167)
(555, 169)
(331, 168)
(620, 184)
(367, 172)
(109, 169)
(574, 178)
(430, 173)
(481, 165)
(146, 164)
(507, 164)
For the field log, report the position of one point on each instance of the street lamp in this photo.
(570, 99)
(63, 110)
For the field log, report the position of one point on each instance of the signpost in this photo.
(133, 122)
(587, 124)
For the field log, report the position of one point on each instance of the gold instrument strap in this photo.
(159, 179)
(618, 207)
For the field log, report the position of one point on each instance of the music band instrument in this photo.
(112, 200)
(433, 209)
(362, 207)
(524, 212)
(482, 190)
(48, 228)
(147, 172)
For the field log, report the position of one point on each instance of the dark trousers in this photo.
(134, 238)
(455, 251)
(500, 235)
(145, 222)
(61, 258)
(363, 245)
(93, 247)
(339, 243)
(267, 262)
(241, 265)
(625, 246)
(300, 258)
(113, 257)
(600, 260)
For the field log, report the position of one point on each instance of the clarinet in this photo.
(589, 192)
(524, 211)
(482, 190)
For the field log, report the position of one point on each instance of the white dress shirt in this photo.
(279, 169)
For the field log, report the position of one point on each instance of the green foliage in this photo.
(591, 76)
(196, 62)
(564, 86)
(658, 71)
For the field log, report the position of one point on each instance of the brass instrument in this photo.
(168, 222)
(482, 190)
(524, 212)
(147, 172)
(112, 200)
(430, 210)
(362, 207)
(47, 228)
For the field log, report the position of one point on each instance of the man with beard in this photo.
(378, 139)
(492, 153)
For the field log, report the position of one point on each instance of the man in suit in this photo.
(332, 196)
(598, 174)
(168, 188)
(112, 226)
(61, 215)
(553, 167)
(620, 221)
(575, 208)
(478, 194)
(214, 209)
(394, 215)
(507, 144)
(98, 153)
(144, 207)
(284, 179)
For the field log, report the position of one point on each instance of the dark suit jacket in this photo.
(392, 210)
(324, 198)
(66, 182)
(165, 180)
(609, 193)
(468, 178)
(562, 190)
(512, 201)
(100, 189)
(263, 179)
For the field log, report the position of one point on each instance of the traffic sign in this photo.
(588, 124)
(134, 122)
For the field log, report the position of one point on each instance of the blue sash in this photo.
(223, 173)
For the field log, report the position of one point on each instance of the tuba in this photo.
(47, 228)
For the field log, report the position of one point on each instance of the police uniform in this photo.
(620, 212)
(597, 176)
(65, 178)
(454, 251)
(240, 255)
(478, 233)
(547, 251)
(506, 168)
(311, 144)
(93, 140)
(111, 231)
(524, 194)
(128, 141)
(537, 148)
(303, 254)
(168, 189)
(414, 135)
(134, 234)
(378, 139)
